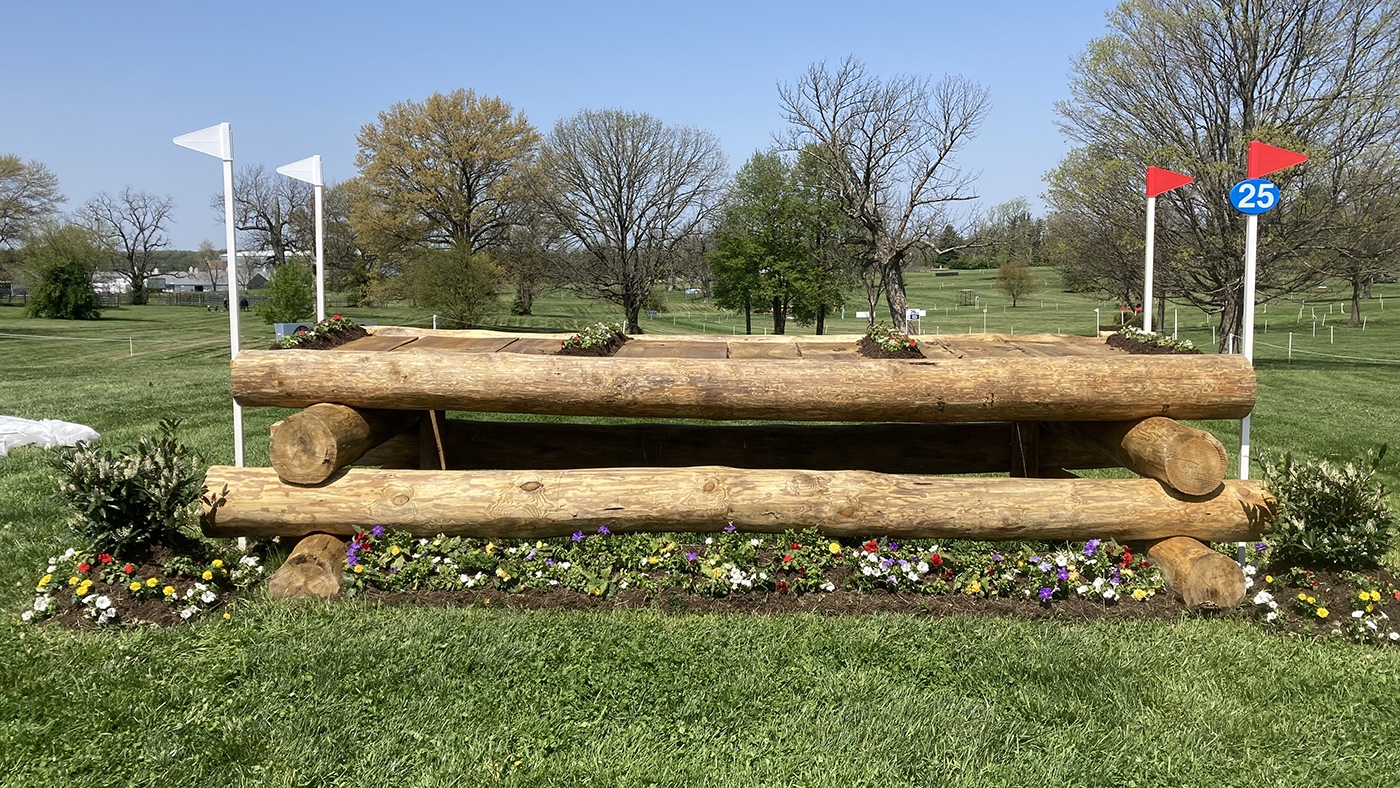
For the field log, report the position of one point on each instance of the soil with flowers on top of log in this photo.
(327, 341)
(1140, 348)
(869, 349)
(599, 351)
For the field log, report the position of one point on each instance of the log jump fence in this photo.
(371, 445)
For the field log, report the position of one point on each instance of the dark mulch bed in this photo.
(150, 611)
(868, 349)
(329, 340)
(600, 350)
(1136, 347)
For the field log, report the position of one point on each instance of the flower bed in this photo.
(884, 342)
(1134, 340)
(599, 339)
(329, 333)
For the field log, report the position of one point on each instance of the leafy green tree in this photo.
(456, 283)
(1016, 280)
(63, 258)
(290, 295)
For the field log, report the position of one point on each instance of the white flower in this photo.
(554, 582)
(1357, 613)
(1250, 569)
(1273, 605)
(464, 578)
(200, 586)
(189, 611)
(207, 597)
(1263, 598)
(1082, 590)
(1098, 583)
(1060, 560)
(754, 543)
(1395, 635)
(1108, 593)
(103, 603)
(539, 573)
(565, 565)
(762, 575)
(87, 600)
(867, 571)
(623, 584)
(922, 567)
(1271, 616)
(41, 604)
(51, 569)
(709, 540)
(1248, 583)
(69, 553)
(1371, 625)
(26, 616)
(828, 586)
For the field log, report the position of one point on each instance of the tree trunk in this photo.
(532, 505)
(779, 317)
(748, 315)
(525, 294)
(313, 569)
(821, 319)
(632, 307)
(1161, 321)
(895, 296)
(1355, 301)
(1032, 388)
(1229, 324)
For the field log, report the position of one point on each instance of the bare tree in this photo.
(889, 148)
(1186, 84)
(210, 262)
(628, 189)
(134, 223)
(28, 194)
(273, 212)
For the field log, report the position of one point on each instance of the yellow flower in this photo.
(502, 573)
(490, 548)
(394, 550)
(1312, 600)
(1139, 595)
(1020, 564)
(1370, 609)
(135, 585)
(359, 569)
(1322, 612)
(218, 562)
(72, 581)
(1303, 597)
(43, 581)
(1073, 576)
(207, 575)
(539, 545)
(151, 583)
(1364, 595)
(168, 590)
(651, 559)
(227, 616)
(1268, 578)
(715, 573)
(835, 548)
(975, 588)
(1375, 596)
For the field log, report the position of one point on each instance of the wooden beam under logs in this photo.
(942, 390)
(535, 504)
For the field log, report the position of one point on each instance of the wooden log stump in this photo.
(309, 446)
(1189, 460)
(536, 504)
(1202, 577)
(312, 570)
(935, 390)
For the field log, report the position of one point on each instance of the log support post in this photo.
(1202, 577)
(431, 454)
(312, 570)
(310, 446)
(1025, 449)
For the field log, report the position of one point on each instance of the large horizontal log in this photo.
(887, 448)
(1203, 578)
(534, 504)
(1188, 459)
(309, 446)
(944, 390)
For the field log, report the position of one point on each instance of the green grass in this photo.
(353, 693)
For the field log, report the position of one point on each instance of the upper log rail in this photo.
(1012, 388)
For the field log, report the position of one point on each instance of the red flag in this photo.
(1264, 159)
(1160, 180)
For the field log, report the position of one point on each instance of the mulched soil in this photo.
(868, 349)
(600, 350)
(1136, 347)
(329, 340)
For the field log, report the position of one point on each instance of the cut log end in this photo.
(312, 570)
(1198, 465)
(310, 446)
(1203, 578)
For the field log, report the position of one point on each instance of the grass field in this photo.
(352, 693)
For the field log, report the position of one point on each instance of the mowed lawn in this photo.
(352, 694)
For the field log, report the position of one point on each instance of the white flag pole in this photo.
(1251, 257)
(309, 170)
(1147, 277)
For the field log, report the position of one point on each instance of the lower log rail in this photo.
(537, 504)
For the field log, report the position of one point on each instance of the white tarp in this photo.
(44, 433)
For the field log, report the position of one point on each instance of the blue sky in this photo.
(97, 90)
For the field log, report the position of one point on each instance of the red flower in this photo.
(83, 567)
(1127, 559)
(787, 559)
(337, 317)
(796, 546)
(936, 559)
(782, 586)
(105, 558)
(129, 568)
(871, 546)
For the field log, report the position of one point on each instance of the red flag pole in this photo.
(1158, 182)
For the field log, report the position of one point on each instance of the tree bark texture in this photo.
(1189, 460)
(309, 446)
(886, 448)
(312, 570)
(944, 390)
(1203, 578)
(537, 504)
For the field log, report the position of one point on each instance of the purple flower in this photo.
(903, 563)
(578, 536)
(352, 559)
(393, 570)
(377, 530)
(603, 530)
(1092, 546)
(1261, 547)
(354, 548)
(730, 527)
(997, 558)
(549, 562)
(1044, 566)
(894, 546)
(1063, 574)
(531, 554)
(891, 580)
(1114, 581)
(691, 557)
(887, 563)
(1046, 593)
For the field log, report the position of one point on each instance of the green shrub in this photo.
(1330, 514)
(64, 257)
(125, 502)
(290, 295)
